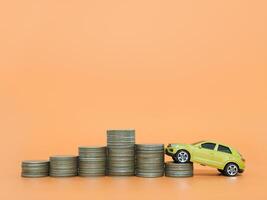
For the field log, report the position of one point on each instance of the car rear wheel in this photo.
(182, 156)
(231, 169)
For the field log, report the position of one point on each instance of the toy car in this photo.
(227, 160)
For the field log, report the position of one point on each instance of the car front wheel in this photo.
(182, 156)
(231, 169)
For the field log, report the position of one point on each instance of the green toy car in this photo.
(227, 160)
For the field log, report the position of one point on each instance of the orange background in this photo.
(176, 71)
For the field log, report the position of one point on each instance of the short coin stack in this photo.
(120, 144)
(35, 168)
(63, 166)
(92, 161)
(173, 169)
(149, 160)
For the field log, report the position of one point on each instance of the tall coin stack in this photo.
(63, 166)
(92, 161)
(35, 168)
(173, 169)
(120, 145)
(149, 160)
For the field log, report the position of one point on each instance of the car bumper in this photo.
(169, 151)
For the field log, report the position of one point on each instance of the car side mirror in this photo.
(200, 147)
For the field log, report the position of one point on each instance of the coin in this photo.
(35, 168)
(63, 166)
(92, 152)
(150, 166)
(173, 169)
(149, 160)
(150, 174)
(148, 147)
(116, 132)
(120, 152)
(92, 161)
(92, 148)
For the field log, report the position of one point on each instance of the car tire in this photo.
(231, 169)
(174, 158)
(182, 156)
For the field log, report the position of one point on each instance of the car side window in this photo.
(224, 149)
(208, 145)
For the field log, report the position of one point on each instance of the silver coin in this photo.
(154, 152)
(62, 157)
(149, 175)
(120, 158)
(121, 146)
(35, 170)
(125, 150)
(64, 170)
(91, 174)
(121, 132)
(63, 166)
(149, 147)
(92, 153)
(149, 155)
(150, 166)
(178, 166)
(119, 165)
(111, 173)
(96, 159)
(121, 142)
(35, 162)
(178, 169)
(63, 175)
(34, 175)
(150, 170)
(92, 148)
(35, 166)
(181, 174)
(113, 155)
(92, 161)
(120, 137)
(121, 169)
(91, 166)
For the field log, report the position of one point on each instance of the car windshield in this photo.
(197, 142)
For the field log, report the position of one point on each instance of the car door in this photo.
(204, 154)
(222, 155)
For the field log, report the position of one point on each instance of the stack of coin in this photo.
(35, 168)
(173, 169)
(149, 160)
(121, 158)
(63, 166)
(92, 161)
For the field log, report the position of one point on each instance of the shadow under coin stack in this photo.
(173, 169)
(149, 160)
(35, 168)
(92, 161)
(63, 166)
(120, 146)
